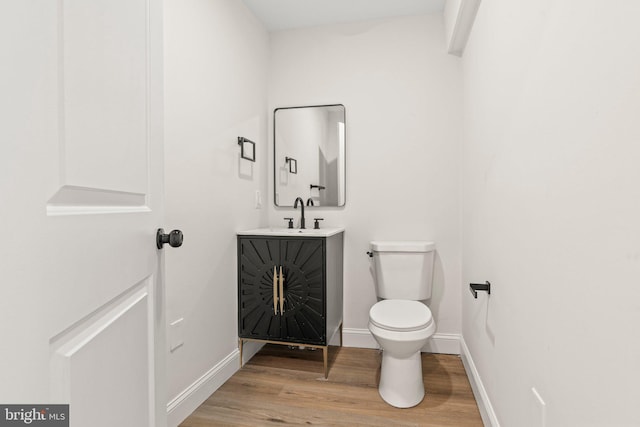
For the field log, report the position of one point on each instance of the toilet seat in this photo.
(400, 315)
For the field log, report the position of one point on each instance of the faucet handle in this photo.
(316, 225)
(290, 222)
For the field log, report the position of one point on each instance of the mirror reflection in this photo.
(309, 155)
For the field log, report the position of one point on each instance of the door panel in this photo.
(102, 106)
(102, 57)
(123, 329)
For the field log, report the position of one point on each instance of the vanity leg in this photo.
(325, 355)
(340, 334)
(240, 342)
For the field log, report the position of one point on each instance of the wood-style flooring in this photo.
(284, 386)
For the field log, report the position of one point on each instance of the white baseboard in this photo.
(360, 338)
(438, 343)
(443, 344)
(180, 407)
(487, 413)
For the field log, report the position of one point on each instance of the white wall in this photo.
(215, 67)
(403, 110)
(552, 208)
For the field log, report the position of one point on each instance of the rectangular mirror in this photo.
(309, 155)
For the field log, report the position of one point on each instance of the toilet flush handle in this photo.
(370, 254)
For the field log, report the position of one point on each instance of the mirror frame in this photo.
(275, 168)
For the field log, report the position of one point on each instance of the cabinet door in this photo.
(256, 259)
(304, 314)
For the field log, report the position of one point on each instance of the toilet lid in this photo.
(400, 315)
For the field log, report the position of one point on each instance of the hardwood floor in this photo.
(283, 386)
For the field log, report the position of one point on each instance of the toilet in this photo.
(400, 322)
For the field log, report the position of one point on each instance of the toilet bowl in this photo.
(401, 328)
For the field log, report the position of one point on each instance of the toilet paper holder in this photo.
(475, 287)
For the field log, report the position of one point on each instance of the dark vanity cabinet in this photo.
(290, 289)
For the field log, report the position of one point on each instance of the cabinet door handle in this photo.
(281, 291)
(275, 291)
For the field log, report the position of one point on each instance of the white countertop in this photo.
(289, 232)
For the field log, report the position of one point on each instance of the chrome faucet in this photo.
(295, 206)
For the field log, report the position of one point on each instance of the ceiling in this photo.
(287, 14)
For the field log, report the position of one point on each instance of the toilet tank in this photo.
(403, 269)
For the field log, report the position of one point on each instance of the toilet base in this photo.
(401, 380)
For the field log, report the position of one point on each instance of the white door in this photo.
(81, 292)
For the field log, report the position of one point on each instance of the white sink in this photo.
(307, 232)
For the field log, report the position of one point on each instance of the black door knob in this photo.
(174, 239)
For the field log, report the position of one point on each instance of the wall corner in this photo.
(459, 16)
